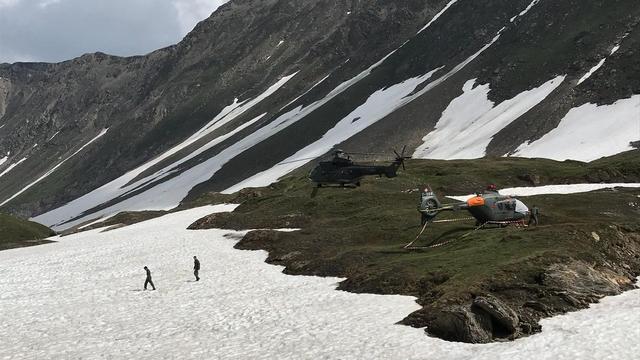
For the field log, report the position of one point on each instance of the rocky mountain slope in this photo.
(261, 83)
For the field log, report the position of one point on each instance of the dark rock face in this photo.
(151, 103)
(504, 321)
(508, 315)
(484, 320)
(460, 325)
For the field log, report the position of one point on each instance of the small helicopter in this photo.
(487, 208)
(342, 171)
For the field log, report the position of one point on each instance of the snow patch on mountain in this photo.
(269, 176)
(589, 132)
(380, 104)
(553, 189)
(187, 180)
(121, 187)
(168, 194)
(598, 65)
(104, 131)
(306, 92)
(54, 135)
(232, 111)
(437, 16)
(470, 122)
(11, 166)
(525, 11)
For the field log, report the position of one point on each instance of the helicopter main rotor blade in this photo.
(297, 160)
(357, 153)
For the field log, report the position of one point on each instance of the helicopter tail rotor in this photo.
(430, 205)
(400, 157)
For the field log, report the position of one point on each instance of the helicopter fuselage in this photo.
(488, 207)
(496, 208)
(347, 173)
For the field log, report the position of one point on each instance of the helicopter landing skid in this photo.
(409, 246)
(518, 223)
(345, 185)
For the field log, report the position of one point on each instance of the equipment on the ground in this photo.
(342, 171)
(487, 208)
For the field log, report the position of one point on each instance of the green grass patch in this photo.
(16, 232)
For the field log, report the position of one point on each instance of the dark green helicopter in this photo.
(342, 171)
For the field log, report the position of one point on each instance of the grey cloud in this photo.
(57, 30)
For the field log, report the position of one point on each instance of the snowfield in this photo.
(589, 132)
(553, 189)
(470, 122)
(82, 298)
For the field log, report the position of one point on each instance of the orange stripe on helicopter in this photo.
(475, 201)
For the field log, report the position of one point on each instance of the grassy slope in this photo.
(16, 232)
(359, 233)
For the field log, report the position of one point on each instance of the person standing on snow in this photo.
(196, 267)
(148, 281)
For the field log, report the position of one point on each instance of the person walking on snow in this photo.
(196, 267)
(148, 281)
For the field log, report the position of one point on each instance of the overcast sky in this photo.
(57, 30)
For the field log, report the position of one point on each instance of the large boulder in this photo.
(503, 321)
(459, 324)
(484, 320)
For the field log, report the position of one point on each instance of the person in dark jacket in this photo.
(148, 281)
(533, 216)
(196, 267)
